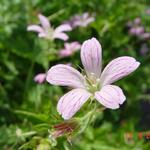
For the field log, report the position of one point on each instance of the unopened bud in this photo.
(65, 128)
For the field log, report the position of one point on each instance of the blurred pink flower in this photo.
(145, 36)
(46, 31)
(94, 83)
(69, 49)
(144, 49)
(136, 30)
(137, 21)
(148, 11)
(40, 78)
(81, 20)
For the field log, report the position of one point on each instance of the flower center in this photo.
(93, 83)
(50, 32)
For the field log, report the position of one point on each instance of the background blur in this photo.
(27, 109)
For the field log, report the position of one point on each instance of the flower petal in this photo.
(110, 96)
(42, 34)
(85, 15)
(70, 49)
(91, 57)
(63, 27)
(40, 78)
(65, 53)
(117, 69)
(74, 46)
(66, 76)
(44, 21)
(89, 20)
(35, 28)
(71, 102)
(61, 36)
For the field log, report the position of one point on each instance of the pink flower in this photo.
(46, 31)
(144, 49)
(81, 20)
(40, 78)
(148, 11)
(70, 49)
(145, 36)
(137, 21)
(95, 83)
(136, 30)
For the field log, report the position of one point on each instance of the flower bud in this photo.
(66, 128)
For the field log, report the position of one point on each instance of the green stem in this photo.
(28, 78)
(87, 119)
(55, 15)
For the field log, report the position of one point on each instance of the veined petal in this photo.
(65, 76)
(35, 28)
(63, 27)
(110, 96)
(91, 56)
(117, 69)
(61, 36)
(44, 21)
(71, 102)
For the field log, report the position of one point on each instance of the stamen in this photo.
(88, 80)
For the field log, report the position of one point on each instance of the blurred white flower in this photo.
(46, 31)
